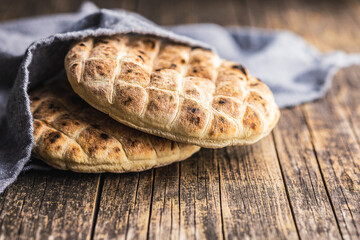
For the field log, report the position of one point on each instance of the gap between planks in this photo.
(285, 185)
(322, 174)
(97, 204)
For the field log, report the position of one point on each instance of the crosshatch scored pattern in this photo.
(69, 134)
(171, 90)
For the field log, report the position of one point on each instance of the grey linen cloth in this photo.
(32, 51)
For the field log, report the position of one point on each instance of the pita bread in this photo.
(170, 90)
(71, 135)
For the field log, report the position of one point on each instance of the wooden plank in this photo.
(312, 210)
(200, 213)
(337, 150)
(165, 12)
(307, 193)
(338, 154)
(125, 206)
(353, 9)
(109, 4)
(128, 202)
(254, 202)
(165, 209)
(218, 12)
(348, 96)
(20, 9)
(42, 205)
(336, 145)
(328, 21)
(125, 4)
(327, 24)
(186, 201)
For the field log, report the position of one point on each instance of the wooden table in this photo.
(302, 181)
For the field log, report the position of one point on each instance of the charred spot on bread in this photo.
(141, 58)
(193, 110)
(127, 101)
(240, 67)
(53, 137)
(104, 136)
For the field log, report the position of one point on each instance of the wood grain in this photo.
(334, 140)
(254, 201)
(124, 208)
(310, 204)
(165, 208)
(338, 153)
(348, 96)
(321, 213)
(44, 205)
(200, 213)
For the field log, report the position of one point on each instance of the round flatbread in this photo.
(71, 135)
(170, 90)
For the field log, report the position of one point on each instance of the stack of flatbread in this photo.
(137, 102)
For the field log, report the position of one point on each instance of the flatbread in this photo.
(170, 90)
(71, 135)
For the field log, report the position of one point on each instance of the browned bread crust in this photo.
(70, 134)
(171, 90)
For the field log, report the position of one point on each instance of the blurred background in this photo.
(326, 24)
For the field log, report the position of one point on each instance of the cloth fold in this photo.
(32, 51)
